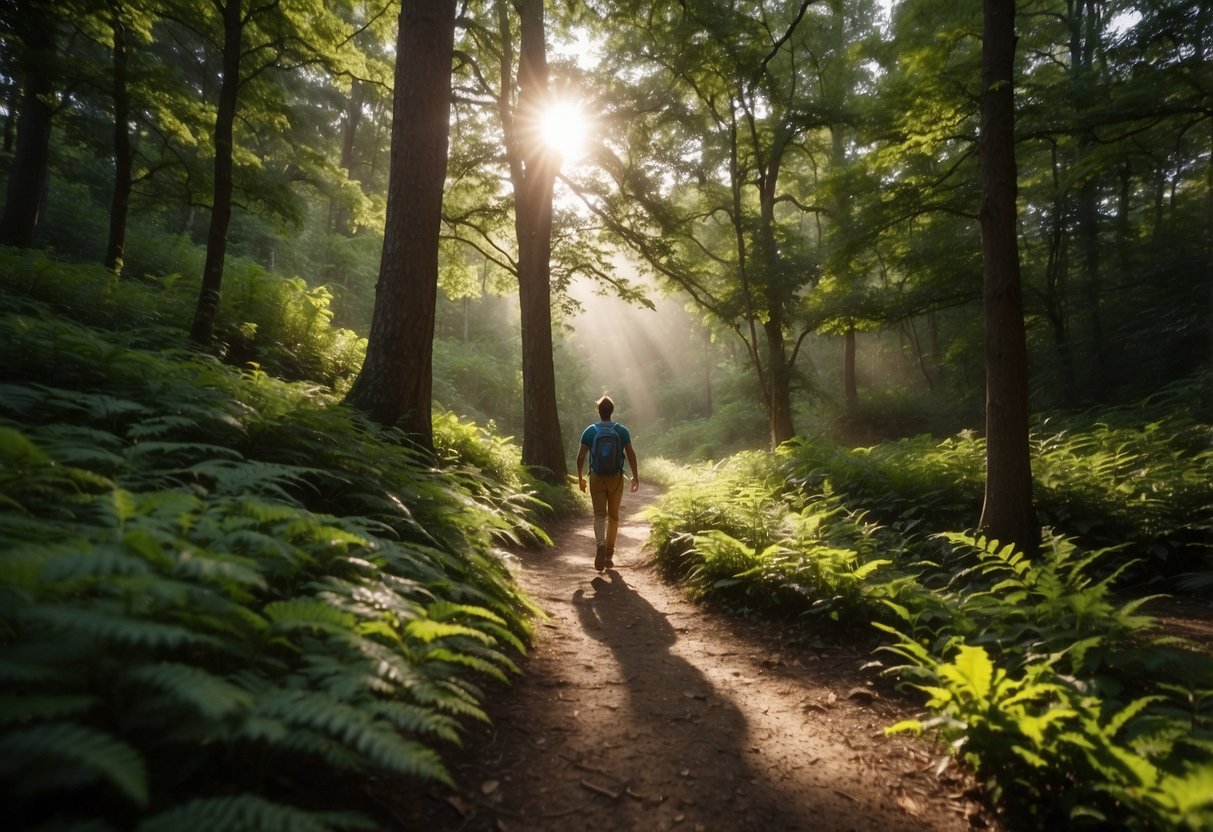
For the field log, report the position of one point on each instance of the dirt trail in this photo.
(639, 710)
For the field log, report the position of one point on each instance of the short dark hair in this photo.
(605, 407)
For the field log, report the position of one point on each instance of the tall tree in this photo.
(395, 384)
(35, 26)
(203, 328)
(1007, 513)
(533, 168)
(711, 169)
(120, 30)
(255, 38)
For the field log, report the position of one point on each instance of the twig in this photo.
(602, 790)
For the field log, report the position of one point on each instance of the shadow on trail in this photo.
(701, 763)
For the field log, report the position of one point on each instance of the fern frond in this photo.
(108, 623)
(376, 741)
(17, 709)
(95, 755)
(233, 574)
(308, 614)
(415, 719)
(212, 696)
(428, 630)
(96, 561)
(249, 813)
(237, 477)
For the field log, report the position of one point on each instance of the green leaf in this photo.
(913, 726)
(974, 669)
(27, 752)
(110, 625)
(308, 614)
(249, 813)
(428, 630)
(16, 709)
(209, 695)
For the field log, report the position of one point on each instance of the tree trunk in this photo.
(1007, 513)
(533, 169)
(31, 163)
(779, 371)
(395, 384)
(850, 388)
(203, 329)
(10, 117)
(780, 375)
(1084, 29)
(120, 202)
(353, 118)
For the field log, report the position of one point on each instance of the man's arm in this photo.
(627, 449)
(581, 454)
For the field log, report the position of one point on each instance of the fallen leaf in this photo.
(909, 805)
(489, 786)
(459, 805)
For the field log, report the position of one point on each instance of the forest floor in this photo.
(641, 710)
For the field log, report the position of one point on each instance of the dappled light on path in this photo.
(639, 711)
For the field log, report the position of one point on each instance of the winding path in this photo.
(639, 710)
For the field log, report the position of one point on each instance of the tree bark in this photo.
(203, 329)
(395, 386)
(533, 169)
(1007, 514)
(31, 163)
(850, 387)
(119, 204)
(779, 371)
(349, 133)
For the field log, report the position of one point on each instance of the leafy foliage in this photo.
(1050, 688)
(1038, 671)
(212, 580)
(278, 324)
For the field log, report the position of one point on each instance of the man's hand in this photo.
(635, 484)
(581, 482)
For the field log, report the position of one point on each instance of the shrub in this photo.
(216, 582)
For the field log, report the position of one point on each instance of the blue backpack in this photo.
(606, 454)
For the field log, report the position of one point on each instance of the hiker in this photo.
(606, 443)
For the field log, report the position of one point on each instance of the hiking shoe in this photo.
(610, 557)
(600, 557)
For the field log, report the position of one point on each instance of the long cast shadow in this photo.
(702, 766)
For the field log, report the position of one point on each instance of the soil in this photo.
(640, 710)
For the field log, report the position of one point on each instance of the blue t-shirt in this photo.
(587, 437)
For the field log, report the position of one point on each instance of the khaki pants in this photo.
(606, 493)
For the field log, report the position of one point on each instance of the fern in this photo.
(17, 709)
(249, 813)
(211, 696)
(30, 759)
(375, 741)
(204, 565)
(109, 623)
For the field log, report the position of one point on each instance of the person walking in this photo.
(606, 443)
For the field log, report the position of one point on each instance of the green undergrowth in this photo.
(266, 320)
(215, 584)
(1041, 673)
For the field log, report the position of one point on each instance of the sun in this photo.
(564, 130)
